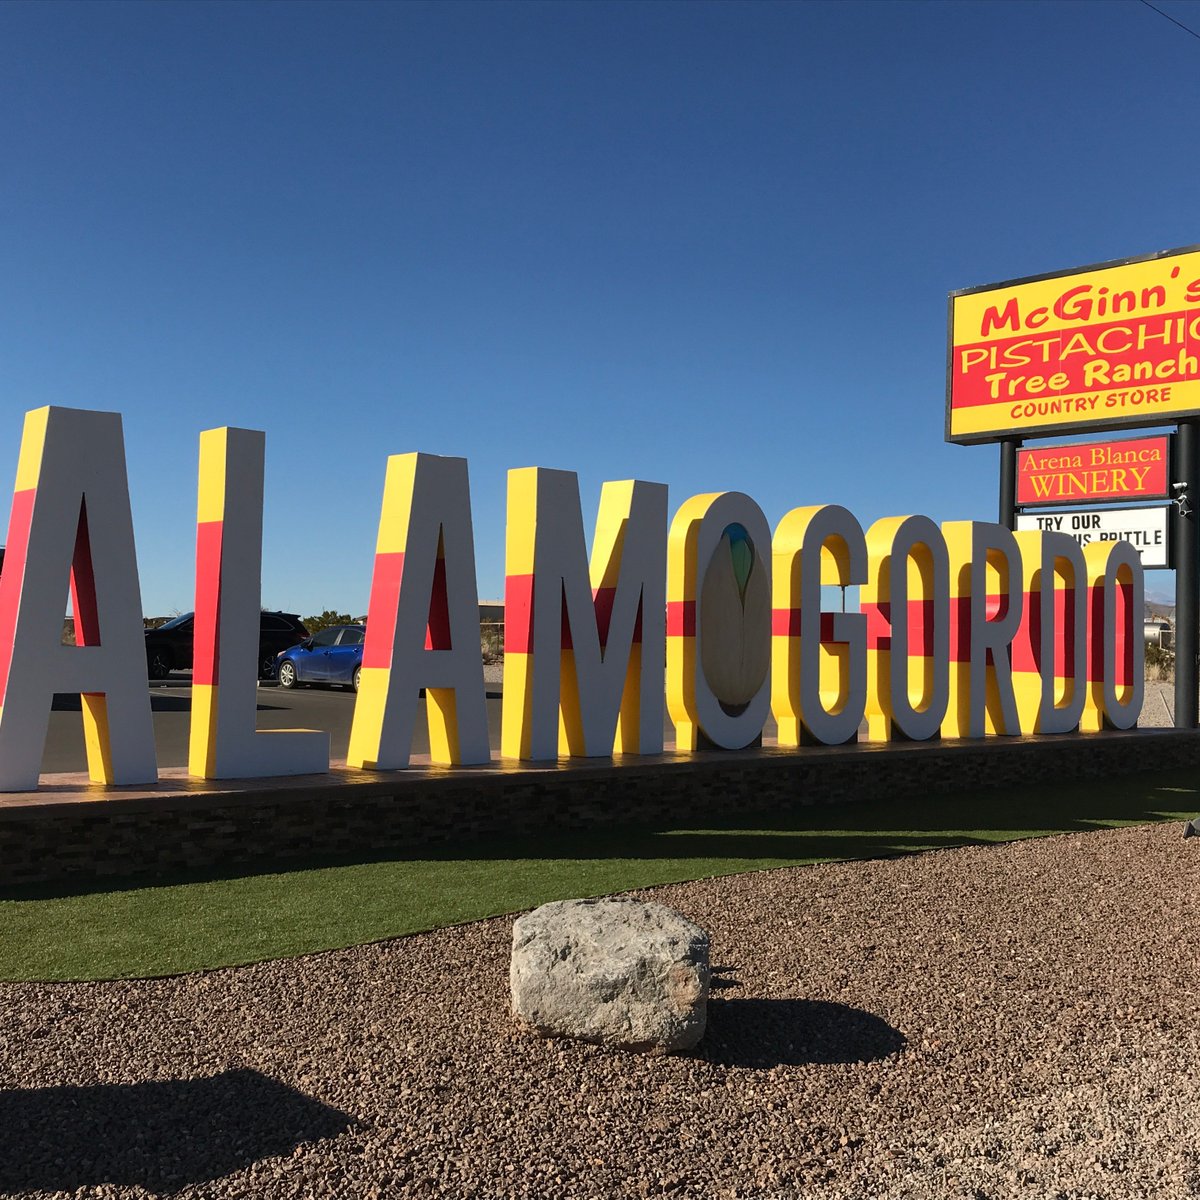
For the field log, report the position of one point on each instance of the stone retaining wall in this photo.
(69, 831)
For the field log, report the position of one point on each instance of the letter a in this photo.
(71, 518)
(224, 742)
(422, 622)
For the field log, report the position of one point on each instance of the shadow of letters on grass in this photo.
(160, 1135)
(773, 1033)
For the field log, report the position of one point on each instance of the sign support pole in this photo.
(1008, 482)
(1187, 575)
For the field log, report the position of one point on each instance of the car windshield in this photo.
(176, 622)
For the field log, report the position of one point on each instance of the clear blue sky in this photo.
(705, 244)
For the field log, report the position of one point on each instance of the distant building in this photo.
(1158, 632)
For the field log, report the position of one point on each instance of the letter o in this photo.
(1124, 716)
(920, 533)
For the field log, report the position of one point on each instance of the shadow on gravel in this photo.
(161, 1136)
(775, 1033)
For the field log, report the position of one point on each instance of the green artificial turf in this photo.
(194, 922)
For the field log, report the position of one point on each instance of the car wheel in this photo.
(287, 674)
(159, 664)
(266, 667)
(354, 682)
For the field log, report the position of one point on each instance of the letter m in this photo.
(584, 650)
(993, 320)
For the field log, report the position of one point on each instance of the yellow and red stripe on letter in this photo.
(29, 466)
(516, 730)
(94, 705)
(683, 586)
(387, 578)
(210, 522)
(1123, 625)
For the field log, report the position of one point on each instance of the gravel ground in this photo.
(981, 1022)
(1158, 706)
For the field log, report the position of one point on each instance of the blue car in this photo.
(332, 656)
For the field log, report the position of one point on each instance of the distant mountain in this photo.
(1160, 611)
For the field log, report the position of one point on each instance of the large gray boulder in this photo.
(619, 972)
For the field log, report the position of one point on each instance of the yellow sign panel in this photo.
(1104, 346)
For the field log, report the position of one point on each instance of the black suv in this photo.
(169, 647)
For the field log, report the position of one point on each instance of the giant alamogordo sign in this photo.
(965, 629)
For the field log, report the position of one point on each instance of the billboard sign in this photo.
(1128, 469)
(1146, 529)
(1094, 348)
